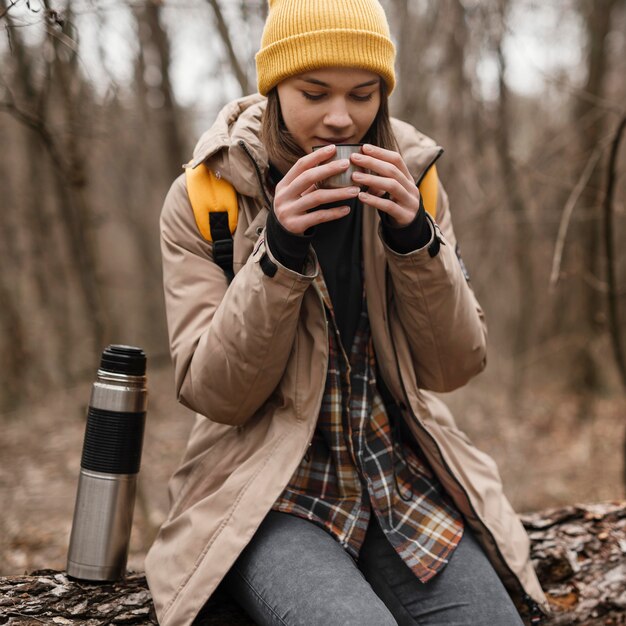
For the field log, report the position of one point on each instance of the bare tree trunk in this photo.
(587, 377)
(264, 9)
(14, 356)
(456, 44)
(523, 232)
(163, 153)
(49, 273)
(74, 204)
(461, 117)
(14, 359)
(169, 115)
(236, 66)
(46, 263)
(414, 38)
(47, 360)
(609, 248)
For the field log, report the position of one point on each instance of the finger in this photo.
(309, 190)
(383, 168)
(394, 167)
(324, 215)
(308, 161)
(317, 174)
(384, 204)
(289, 212)
(379, 186)
(401, 215)
(322, 197)
(299, 224)
(391, 156)
(376, 192)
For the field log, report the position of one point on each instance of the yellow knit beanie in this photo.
(303, 35)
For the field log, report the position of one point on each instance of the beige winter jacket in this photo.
(251, 358)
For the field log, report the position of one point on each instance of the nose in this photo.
(338, 115)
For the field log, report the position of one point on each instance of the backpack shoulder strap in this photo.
(429, 190)
(214, 204)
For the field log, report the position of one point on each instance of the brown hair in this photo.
(282, 147)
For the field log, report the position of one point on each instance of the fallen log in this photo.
(580, 556)
(579, 552)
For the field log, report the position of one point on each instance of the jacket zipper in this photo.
(257, 169)
(321, 396)
(536, 614)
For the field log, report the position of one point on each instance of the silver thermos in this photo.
(105, 499)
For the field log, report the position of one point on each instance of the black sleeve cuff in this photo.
(405, 239)
(288, 249)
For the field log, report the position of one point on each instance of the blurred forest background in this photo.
(101, 102)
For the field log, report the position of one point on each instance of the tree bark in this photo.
(588, 376)
(609, 250)
(42, 259)
(235, 64)
(578, 552)
(523, 232)
(159, 39)
(412, 25)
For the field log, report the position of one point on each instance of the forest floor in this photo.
(549, 454)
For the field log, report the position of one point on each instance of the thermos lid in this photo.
(124, 360)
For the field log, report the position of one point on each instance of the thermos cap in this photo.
(124, 360)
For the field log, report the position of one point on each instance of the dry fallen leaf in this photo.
(563, 602)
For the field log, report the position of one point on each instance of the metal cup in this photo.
(344, 179)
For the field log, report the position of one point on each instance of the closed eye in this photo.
(312, 96)
(365, 98)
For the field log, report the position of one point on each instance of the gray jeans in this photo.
(293, 573)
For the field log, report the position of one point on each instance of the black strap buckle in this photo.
(223, 256)
(223, 251)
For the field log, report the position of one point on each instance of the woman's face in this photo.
(331, 105)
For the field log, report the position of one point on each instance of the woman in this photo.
(323, 483)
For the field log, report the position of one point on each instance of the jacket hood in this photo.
(235, 131)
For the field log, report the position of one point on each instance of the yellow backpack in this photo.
(214, 203)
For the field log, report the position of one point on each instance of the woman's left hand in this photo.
(391, 187)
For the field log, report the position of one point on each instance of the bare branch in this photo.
(567, 214)
(614, 324)
(222, 28)
(38, 125)
(4, 11)
(68, 42)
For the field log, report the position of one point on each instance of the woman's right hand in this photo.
(296, 194)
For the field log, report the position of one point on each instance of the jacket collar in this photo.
(418, 151)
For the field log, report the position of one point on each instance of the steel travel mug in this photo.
(344, 179)
(105, 499)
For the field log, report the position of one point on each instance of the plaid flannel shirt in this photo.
(353, 466)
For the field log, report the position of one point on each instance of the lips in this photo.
(331, 140)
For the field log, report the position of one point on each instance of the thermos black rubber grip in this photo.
(113, 441)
